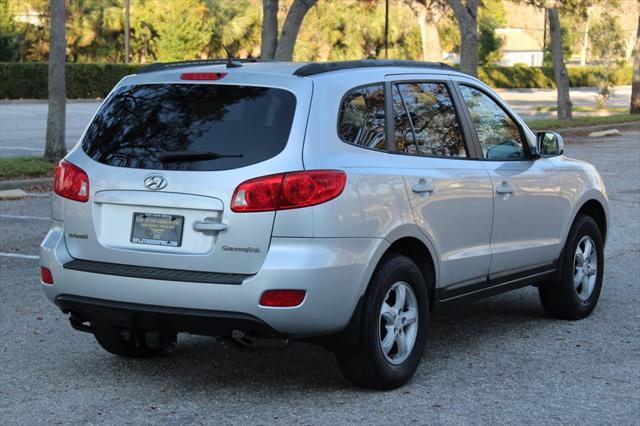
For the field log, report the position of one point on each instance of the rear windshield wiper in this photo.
(180, 156)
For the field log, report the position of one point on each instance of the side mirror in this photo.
(550, 143)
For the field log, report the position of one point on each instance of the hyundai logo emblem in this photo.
(155, 182)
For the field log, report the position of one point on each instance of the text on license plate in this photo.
(157, 229)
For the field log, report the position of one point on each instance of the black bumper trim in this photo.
(154, 273)
(141, 317)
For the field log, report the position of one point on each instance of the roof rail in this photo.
(163, 66)
(322, 67)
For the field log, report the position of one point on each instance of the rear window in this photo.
(181, 126)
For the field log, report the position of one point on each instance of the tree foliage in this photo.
(9, 35)
(607, 44)
(606, 36)
(331, 29)
(490, 17)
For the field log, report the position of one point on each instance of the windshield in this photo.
(243, 125)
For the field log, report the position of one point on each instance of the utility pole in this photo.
(386, 29)
(126, 31)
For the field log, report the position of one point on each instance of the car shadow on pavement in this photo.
(206, 364)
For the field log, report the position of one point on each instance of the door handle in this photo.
(422, 186)
(504, 188)
(209, 226)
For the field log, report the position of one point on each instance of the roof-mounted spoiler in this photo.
(163, 66)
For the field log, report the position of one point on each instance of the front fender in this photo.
(592, 194)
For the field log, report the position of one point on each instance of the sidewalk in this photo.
(23, 123)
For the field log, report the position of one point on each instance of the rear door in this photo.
(450, 193)
(158, 195)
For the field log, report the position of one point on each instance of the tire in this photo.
(128, 345)
(563, 299)
(368, 365)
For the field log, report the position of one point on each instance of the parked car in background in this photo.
(338, 203)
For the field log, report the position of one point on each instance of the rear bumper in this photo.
(333, 271)
(158, 318)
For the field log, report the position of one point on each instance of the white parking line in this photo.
(13, 216)
(19, 255)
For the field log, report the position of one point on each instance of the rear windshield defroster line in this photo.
(244, 125)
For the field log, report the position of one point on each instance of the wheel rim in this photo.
(585, 267)
(398, 323)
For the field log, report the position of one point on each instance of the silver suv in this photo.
(337, 203)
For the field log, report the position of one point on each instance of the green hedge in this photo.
(29, 80)
(542, 77)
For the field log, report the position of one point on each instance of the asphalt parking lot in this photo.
(499, 360)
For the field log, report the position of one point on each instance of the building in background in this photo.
(520, 47)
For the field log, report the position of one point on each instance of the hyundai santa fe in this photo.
(337, 203)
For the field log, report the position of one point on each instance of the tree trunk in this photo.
(55, 148)
(635, 87)
(434, 48)
(431, 48)
(585, 40)
(467, 17)
(469, 48)
(559, 67)
(424, 37)
(127, 29)
(269, 29)
(292, 23)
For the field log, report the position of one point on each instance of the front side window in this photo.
(498, 135)
(426, 121)
(361, 117)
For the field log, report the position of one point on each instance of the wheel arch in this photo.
(593, 204)
(415, 246)
(597, 212)
(417, 251)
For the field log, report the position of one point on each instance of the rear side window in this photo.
(182, 126)
(361, 118)
(425, 121)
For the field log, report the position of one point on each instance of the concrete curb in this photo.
(24, 183)
(598, 127)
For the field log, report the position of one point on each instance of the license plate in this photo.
(157, 229)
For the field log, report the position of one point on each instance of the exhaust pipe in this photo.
(258, 342)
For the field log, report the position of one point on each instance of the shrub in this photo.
(95, 80)
(28, 80)
(543, 77)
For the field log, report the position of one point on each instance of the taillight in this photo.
(46, 276)
(308, 188)
(282, 298)
(288, 190)
(202, 75)
(71, 182)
